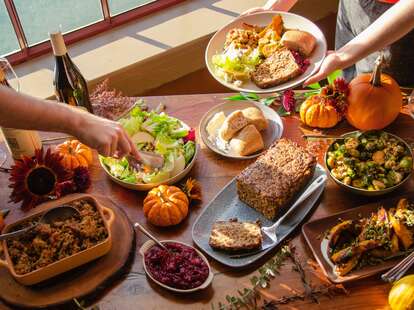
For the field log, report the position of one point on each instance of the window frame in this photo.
(27, 52)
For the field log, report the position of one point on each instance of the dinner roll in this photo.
(247, 141)
(300, 41)
(232, 124)
(255, 117)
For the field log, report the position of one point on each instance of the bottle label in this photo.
(21, 142)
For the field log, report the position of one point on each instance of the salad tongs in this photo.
(150, 159)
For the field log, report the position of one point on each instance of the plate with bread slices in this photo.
(240, 130)
(265, 52)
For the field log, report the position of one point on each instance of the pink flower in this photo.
(289, 101)
(190, 136)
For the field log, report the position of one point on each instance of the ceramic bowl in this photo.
(269, 135)
(67, 263)
(148, 186)
(361, 191)
(291, 21)
(149, 244)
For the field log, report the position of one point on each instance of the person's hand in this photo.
(331, 63)
(254, 10)
(107, 137)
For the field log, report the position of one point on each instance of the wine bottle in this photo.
(70, 85)
(18, 141)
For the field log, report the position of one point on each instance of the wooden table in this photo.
(134, 291)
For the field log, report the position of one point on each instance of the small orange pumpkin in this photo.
(74, 154)
(374, 100)
(166, 205)
(316, 112)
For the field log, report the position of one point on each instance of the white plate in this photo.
(291, 21)
(271, 134)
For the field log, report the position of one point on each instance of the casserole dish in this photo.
(60, 266)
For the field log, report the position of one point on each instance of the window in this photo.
(116, 6)
(8, 37)
(25, 25)
(39, 17)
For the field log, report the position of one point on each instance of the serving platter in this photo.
(226, 205)
(291, 21)
(269, 135)
(314, 234)
(86, 280)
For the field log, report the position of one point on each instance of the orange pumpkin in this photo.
(74, 154)
(315, 112)
(374, 100)
(166, 205)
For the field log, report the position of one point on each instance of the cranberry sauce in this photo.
(180, 268)
(303, 63)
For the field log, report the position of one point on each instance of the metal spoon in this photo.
(148, 234)
(49, 217)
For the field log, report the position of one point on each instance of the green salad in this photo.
(159, 133)
(235, 65)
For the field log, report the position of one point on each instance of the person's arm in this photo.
(25, 112)
(273, 5)
(388, 28)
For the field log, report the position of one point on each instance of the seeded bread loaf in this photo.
(233, 235)
(276, 69)
(270, 183)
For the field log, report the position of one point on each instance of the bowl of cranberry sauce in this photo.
(181, 269)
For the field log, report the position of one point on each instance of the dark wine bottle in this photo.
(70, 85)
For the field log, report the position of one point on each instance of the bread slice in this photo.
(276, 69)
(232, 124)
(300, 41)
(255, 116)
(233, 235)
(247, 141)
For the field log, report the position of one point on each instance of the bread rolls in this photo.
(255, 117)
(247, 141)
(300, 41)
(232, 124)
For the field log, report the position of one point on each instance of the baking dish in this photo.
(67, 263)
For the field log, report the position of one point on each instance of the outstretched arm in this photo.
(388, 28)
(273, 5)
(25, 112)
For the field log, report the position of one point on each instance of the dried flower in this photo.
(341, 86)
(192, 188)
(81, 179)
(289, 101)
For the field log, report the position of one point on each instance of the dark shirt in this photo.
(354, 16)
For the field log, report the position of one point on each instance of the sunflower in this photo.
(192, 188)
(35, 180)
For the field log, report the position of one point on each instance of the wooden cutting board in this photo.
(86, 280)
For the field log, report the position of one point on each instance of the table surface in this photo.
(135, 291)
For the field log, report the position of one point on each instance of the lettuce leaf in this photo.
(189, 151)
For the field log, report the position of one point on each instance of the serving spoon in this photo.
(149, 235)
(51, 216)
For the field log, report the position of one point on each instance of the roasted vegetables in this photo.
(385, 234)
(370, 161)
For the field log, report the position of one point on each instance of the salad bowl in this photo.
(156, 133)
(148, 186)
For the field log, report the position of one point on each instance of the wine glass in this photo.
(8, 78)
(410, 105)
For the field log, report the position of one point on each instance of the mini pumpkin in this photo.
(74, 154)
(165, 205)
(316, 111)
(374, 100)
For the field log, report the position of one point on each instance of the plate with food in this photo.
(369, 163)
(363, 241)
(158, 133)
(265, 52)
(240, 130)
(229, 228)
